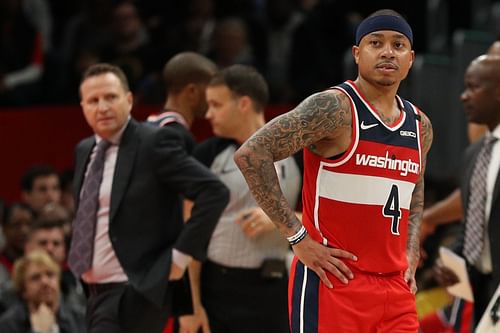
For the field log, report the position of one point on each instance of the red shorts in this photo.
(368, 304)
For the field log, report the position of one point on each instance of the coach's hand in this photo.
(321, 259)
(176, 272)
(195, 322)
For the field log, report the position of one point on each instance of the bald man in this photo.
(481, 99)
(476, 131)
(449, 210)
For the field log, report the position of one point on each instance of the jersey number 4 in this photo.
(391, 209)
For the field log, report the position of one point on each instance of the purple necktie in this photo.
(82, 242)
(475, 219)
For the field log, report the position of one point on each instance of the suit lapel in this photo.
(124, 164)
(82, 156)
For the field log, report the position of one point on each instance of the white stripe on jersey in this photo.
(361, 189)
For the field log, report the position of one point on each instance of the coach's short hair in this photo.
(104, 68)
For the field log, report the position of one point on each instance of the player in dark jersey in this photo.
(364, 159)
(186, 76)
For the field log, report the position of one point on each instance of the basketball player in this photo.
(364, 158)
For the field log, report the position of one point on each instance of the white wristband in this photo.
(300, 235)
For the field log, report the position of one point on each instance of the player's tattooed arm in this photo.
(315, 118)
(417, 202)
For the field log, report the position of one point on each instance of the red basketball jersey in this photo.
(360, 201)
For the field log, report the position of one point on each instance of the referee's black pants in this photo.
(239, 300)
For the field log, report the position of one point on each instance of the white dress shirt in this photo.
(484, 264)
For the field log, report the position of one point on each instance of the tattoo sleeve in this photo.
(417, 201)
(315, 118)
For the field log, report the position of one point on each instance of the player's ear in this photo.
(245, 103)
(130, 99)
(355, 53)
(412, 59)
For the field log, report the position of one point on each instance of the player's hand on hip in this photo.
(322, 259)
(409, 277)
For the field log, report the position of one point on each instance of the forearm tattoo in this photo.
(315, 118)
(417, 201)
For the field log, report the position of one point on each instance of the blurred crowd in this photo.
(297, 44)
(35, 238)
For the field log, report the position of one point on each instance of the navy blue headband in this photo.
(383, 22)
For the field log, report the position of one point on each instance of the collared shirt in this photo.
(229, 246)
(484, 264)
(105, 265)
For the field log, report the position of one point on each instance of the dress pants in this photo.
(119, 308)
(483, 289)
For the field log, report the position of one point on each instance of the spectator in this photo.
(47, 234)
(130, 49)
(16, 223)
(85, 35)
(230, 43)
(40, 186)
(67, 197)
(283, 20)
(36, 281)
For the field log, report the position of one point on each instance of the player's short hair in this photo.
(185, 68)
